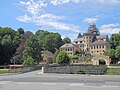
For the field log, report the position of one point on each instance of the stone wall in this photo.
(25, 69)
(76, 69)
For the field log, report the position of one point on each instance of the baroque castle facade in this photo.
(91, 42)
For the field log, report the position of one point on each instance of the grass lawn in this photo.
(113, 69)
(4, 71)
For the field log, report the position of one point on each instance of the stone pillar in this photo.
(43, 70)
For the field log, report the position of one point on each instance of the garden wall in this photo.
(76, 69)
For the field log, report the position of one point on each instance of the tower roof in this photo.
(92, 27)
(79, 35)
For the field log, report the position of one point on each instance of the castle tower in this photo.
(89, 37)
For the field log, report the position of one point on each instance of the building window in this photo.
(76, 42)
(97, 47)
(102, 46)
(68, 49)
(80, 41)
(91, 47)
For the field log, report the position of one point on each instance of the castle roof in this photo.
(92, 27)
(79, 35)
(99, 42)
(102, 37)
(79, 39)
(67, 45)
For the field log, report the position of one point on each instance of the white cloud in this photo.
(33, 7)
(35, 14)
(60, 2)
(72, 36)
(105, 2)
(24, 18)
(110, 28)
(90, 20)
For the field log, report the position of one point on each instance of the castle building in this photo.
(91, 42)
(71, 49)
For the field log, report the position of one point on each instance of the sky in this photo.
(67, 17)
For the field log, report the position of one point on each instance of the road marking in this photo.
(50, 83)
(109, 86)
(23, 83)
(4, 82)
(77, 84)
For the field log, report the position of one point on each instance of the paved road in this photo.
(36, 81)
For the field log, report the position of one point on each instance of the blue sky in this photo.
(67, 17)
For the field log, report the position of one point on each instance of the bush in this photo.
(63, 58)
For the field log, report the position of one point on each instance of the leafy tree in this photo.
(74, 57)
(49, 43)
(117, 52)
(28, 60)
(66, 40)
(110, 53)
(31, 51)
(20, 48)
(20, 31)
(63, 58)
(56, 54)
(48, 40)
(115, 40)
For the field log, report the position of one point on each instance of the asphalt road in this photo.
(37, 81)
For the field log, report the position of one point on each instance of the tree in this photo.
(74, 57)
(48, 40)
(117, 52)
(56, 54)
(110, 53)
(7, 48)
(66, 40)
(115, 40)
(20, 48)
(63, 58)
(20, 31)
(31, 52)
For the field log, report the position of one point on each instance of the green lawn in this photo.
(113, 69)
(4, 71)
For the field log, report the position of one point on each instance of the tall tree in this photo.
(31, 52)
(20, 48)
(7, 49)
(115, 40)
(20, 31)
(66, 40)
(48, 40)
(117, 52)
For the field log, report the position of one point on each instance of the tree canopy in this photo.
(66, 40)
(25, 47)
(63, 58)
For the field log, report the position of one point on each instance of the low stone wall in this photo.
(113, 72)
(25, 69)
(76, 69)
